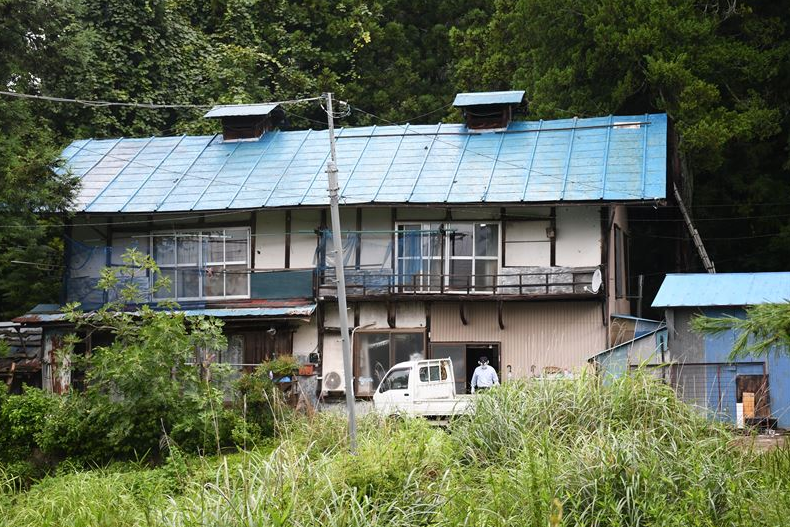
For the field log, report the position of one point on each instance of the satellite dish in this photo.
(597, 281)
(332, 381)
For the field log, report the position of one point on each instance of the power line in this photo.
(708, 238)
(144, 105)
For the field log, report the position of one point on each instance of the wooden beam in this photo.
(287, 263)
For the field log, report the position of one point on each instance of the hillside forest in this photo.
(720, 69)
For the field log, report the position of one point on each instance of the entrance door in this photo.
(473, 354)
(465, 357)
(752, 392)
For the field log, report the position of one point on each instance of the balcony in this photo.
(540, 283)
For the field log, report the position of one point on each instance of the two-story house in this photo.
(491, 237)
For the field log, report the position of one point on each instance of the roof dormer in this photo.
(246, 121)
(488, 110)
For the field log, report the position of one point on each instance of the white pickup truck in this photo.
(421, 388)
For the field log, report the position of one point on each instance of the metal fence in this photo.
(710, 387)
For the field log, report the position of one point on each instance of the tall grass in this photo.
(532, 454)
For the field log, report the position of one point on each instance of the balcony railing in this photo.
(554, 282)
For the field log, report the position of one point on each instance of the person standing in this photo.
(484, 376)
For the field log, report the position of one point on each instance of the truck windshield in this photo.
(396, 380)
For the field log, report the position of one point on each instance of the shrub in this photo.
(22, 420)
(259, 402)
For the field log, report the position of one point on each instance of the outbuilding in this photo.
(740, 391)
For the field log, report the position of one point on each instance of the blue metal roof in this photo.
(276, 312)
(491, 97)
(725, 289)
(607, 158)
(240, 110)
(301, 311)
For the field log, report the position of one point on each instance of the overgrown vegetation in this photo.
(155, 388)
(534, 453)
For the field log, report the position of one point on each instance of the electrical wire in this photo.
(143, 105)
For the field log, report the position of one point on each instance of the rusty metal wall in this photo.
(536, 334)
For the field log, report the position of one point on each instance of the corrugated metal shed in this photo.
(608, 158)
(491, 97)
(240, 110)
(724, 289)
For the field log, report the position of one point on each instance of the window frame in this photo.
(200, 266)
(356, 350)
(446, 256)
(621, 258)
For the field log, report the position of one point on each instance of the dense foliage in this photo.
(154, 388)
(721, 70)
(535, 453)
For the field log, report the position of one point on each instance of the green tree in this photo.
(33, 197)
(765, 329)
(147, 382)
(719, 69)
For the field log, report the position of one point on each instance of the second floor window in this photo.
(461, 256)
(203, 264)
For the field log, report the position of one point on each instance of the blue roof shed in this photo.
(724, 289)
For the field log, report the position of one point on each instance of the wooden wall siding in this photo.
(618, 306)
(561, 334)
(260, 346)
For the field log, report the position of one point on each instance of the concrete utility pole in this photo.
(334, 209)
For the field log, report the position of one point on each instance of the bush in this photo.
(259, 402)
(22, 420)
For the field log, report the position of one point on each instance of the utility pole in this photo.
(334, 210)
(703, 254)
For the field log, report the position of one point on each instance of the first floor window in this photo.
(203, 264)
(377, 351)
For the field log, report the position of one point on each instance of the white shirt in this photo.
(484, 377)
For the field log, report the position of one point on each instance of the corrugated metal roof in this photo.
(607, 158)
(239, 110)
(723, 289)
(269, 312)
(305, 310)
(491, 97)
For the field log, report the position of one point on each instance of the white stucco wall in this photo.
(303, 244)
(376, 245)
(270, 239)
(526, 243)
(305, 339)
(578, 242)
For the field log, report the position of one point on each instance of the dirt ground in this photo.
(763, 442)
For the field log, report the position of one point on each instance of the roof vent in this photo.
(488, 110)
(246, 121)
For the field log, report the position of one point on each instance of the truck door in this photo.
(394, 391)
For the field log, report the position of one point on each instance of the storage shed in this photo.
(737, 391)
